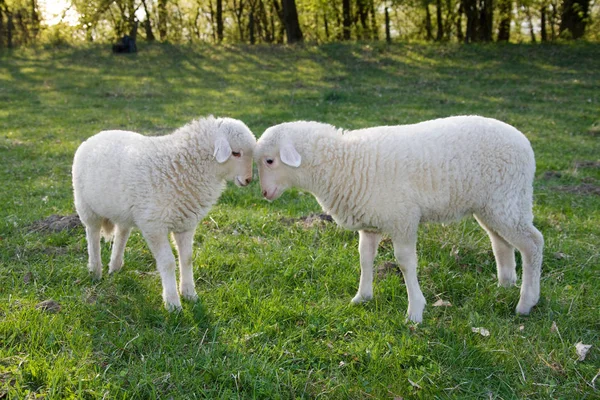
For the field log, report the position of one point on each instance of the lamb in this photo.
(158, 184)
(388, 179)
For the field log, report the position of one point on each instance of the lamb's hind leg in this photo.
(504, 253)
(118, 250)
(529, 241)
(367, 247)
(92, 234)
(185, 242)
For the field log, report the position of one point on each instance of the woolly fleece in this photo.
(159, 184)
(388, 179)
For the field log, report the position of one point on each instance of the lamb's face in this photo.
(234, 150)
(276, 158)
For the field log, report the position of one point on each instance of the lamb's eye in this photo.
(236, 153)
(269, 161)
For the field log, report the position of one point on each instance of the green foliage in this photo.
(273, 319)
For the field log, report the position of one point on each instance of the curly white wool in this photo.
(389, 179)
(159, 184)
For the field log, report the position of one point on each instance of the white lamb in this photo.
(389, 179)
(158, 184)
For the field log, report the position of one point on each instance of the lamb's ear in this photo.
(222, 150)
(289, 155)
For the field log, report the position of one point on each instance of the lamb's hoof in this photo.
(358, 299)
(190, 296)
(96, 273)
(114, 268)
(507, 281)
(172, 302)
(415, 317)
(415, 311)
(173, 307)
(523, 309)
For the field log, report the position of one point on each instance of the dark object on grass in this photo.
(125, 45)
(127, 42)
(56, 223)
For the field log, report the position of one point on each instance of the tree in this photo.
(505, 8)
(290, 18)
(346, 19)
(574, 18)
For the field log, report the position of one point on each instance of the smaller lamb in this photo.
(388, 179)
(158, 184)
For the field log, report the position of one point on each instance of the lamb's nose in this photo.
(264, 193)
(248, 180)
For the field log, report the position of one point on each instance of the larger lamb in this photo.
(388, 179)
(159, 184)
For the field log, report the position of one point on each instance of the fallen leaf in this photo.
(442, 303)
(522, 328)
(554, 327)
(582, 350)
(481, 331)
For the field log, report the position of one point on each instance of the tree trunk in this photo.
(543, 33)
(251, 27)
(362, 14)
(9, 34)
(219, 17)
(470, 8)
(440, 23)
(574, 18)
(347, 20)
(374, 28)
(1, 24)
(388, 36)
(35, 19)
(326, 26)
(279, 13)
(530, 23)
(238, 10)
(553, 19)
(162, 20)
(459, 30)
(147, 24)
(292, 26)
(428, 28)
(505, 12)
(486, 12)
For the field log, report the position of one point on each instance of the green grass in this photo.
(274, 319)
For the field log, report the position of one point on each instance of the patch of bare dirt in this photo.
(587, 164)
(594, 129)
(551, 175)
(308, 221)
(582, 189)
(388, 268)
(56, 223)
(49, 306)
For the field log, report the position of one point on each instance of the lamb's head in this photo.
(234, 147)
(278, 160)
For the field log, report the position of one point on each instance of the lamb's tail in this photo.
(107, 230)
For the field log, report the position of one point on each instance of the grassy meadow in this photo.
(275, 279)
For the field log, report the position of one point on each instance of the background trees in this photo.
(22, 22)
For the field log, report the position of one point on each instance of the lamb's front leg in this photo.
(406, 254)
(185, 242)
(165, 263)
(367, 247)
